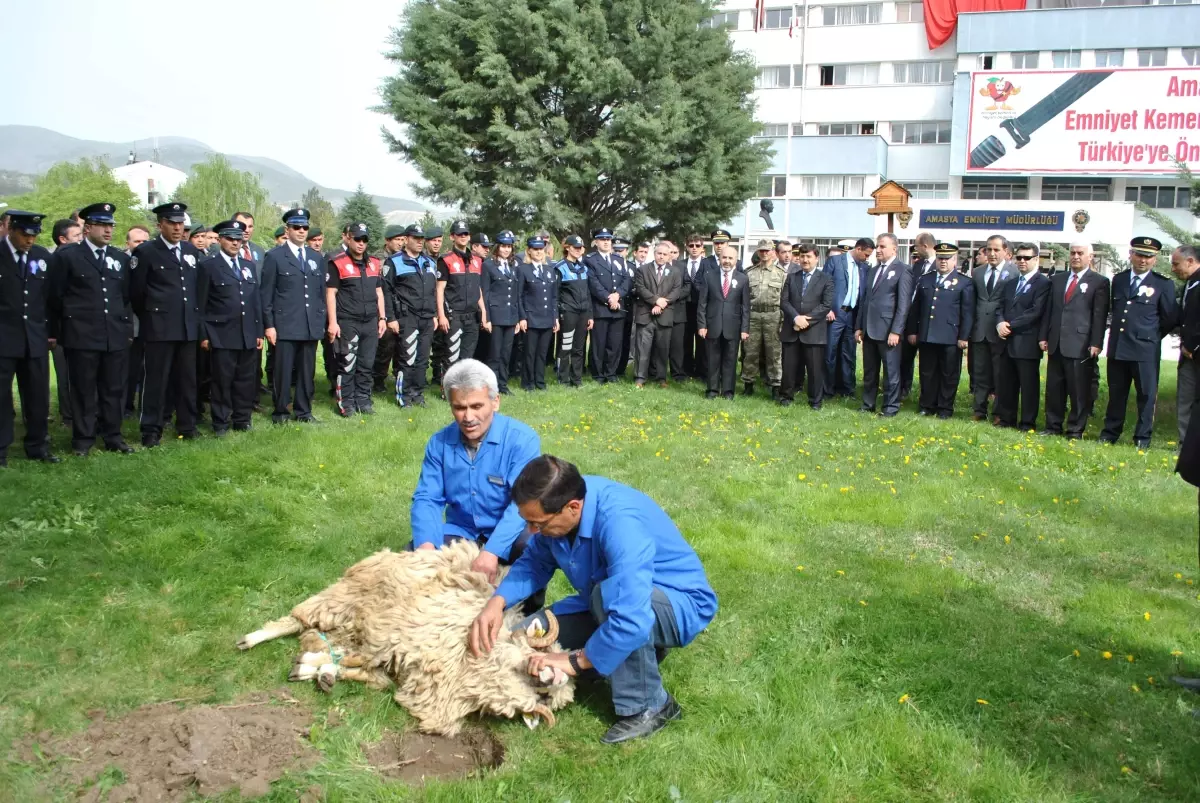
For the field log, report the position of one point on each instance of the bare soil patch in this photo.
(413, 757)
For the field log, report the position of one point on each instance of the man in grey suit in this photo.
(879, 323)
(807, 300)
(986, 344)
(657, 290)
(723, 320)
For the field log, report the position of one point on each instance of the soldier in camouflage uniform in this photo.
(766, 279)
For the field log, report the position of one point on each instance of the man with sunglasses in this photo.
(359, 313)
(293, 299)
(1020, 319)
(692, 268)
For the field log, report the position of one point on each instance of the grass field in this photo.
(911, 609)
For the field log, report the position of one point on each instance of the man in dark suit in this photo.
(1143, 311)
(880, 320)
(610, 283)
(25, 340)
(1020, 320)
(723, 320)
(1185, 261)
(986, 344)
(939, 324)
(848, 270)
(89, 313)
(720, 238)
(806, 301)
(692, 268)
(1073, 339)
(923, 262)
(657, 290)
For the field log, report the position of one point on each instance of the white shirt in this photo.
(16, 254)
(296, 251)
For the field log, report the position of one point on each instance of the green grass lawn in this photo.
(911, 609)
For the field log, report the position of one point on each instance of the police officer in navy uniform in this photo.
(460, 299)
(230, 328)
(610, 283)
(90, 315)
(359, 313)
(574, 312)
(163, 292)
(414, 301)
(501, 294)
(538, 311)
(293, 302)
(480, 246)
(1143, 311)
(621, 249)
(24, 336)
(939, 328)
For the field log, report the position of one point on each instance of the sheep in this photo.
(403, 618)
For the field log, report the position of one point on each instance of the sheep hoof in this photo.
(244, 643)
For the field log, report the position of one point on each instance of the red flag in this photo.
(941, 16)
(760, 14)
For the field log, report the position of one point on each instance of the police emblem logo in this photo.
(175, 208)
(132, 263)
(108, 208)
(190, 260)
(312, 264)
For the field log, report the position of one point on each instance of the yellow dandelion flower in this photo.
(322, 465)
(801, 476)
(1178, 576)
(1134, 688)
(862, 602)
(1146, 616)
(841, 573)
(1075, 653)
(1008, 539)
(904, 698)
(1106, 655)
(1125, 770)
(1129, 658)
(1150, 680)
(982, 701)
(1176, 653)
(799, 568)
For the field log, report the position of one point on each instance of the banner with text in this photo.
(1088, 121)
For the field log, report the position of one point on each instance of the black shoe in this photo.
(924, 412)
(870, 410)
(1046, 433)
(242, 427)
(278, 420)
(944, 416)
(3, 462)
(312, 419)
(1142, 444)
(710, 394)
(366, 410)
(258, 408)
(187, 436)
(1102, 439)
(1074, 436)
(728, 395)
(643, 724)
(885, 414)
(815, 406)
(747, 388)
(220, 433)
(149, 443)
(80, 452)
(785, 402)
(47, 458)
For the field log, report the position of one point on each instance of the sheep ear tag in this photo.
(531, 720)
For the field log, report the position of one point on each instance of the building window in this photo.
(1174, 2)
(1110, 58)
(728, 20)
(849, 74)
(845, 129)
(774, 130)
(774, 78)
(1065, 59)
(1052, 191)
(985, 61)
(995, 191)
(910, 12)
(923, 72)
(1152, 57)
(1025, 61)
(1160, 197)
(863, 14)
(1191, 56)
(927, 189)
(772, 186)
(934, 132)
(778, 18)
(832, 186)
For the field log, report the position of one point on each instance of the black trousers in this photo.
(170, 377)
(679, 351)
(625, 349)
(721, 357)
(412, 356)
(1019, 381)
(264, 375)
(516, 360)
(329, 362)
(387, 360)
(1068, 379)
(878, 354)
(694, 353)
(800, 359)
(986, 374)
(203, 376)
(463, 336)
(537, 345)
(500, 347)
(293, 358)
(234, 387)
(98, 384)
(572, 345)
(908, 358)
(606, 347)
(137, 372)
(33, 383)
(941, 368)
(1144, 377)
(356, 366)
(62, 382)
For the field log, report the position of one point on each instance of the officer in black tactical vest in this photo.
(461, 311)
(359, 313)
(414, 300)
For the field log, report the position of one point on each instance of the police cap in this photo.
(535, 242)
(573, 240)
(415, 232)
(296, 217)
(28, 222)
(459, 227)
(946, 250)
(358, 229)
(230, 229)
(721, 236)
(479, 238)
(97, 213)
(198, 228)
(602, 233)
(506, 237)
(172, 212)
(1145, 246)
(313, 234)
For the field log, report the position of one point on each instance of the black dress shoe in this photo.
(1142, 444)
(124, 448)
(3, 462)
(149, 443)
(923, 412)
(728, 395)
(815, 406)
(710, 394)
(785, 402)
(643, 724)
(80, 452)
(1046, 433)
(312, 419)
(888, 415)
(221, 433)
(367, 410)
(1106, 440)
(188, 436)
(944, 416)
(48, 458)
(747, 388)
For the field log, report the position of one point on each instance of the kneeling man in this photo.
(641, 588)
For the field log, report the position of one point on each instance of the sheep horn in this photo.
(542, 642)
(545, 713)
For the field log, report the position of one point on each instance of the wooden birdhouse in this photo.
(891, 199)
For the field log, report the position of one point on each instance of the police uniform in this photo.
(293, 302)
(358, 298)
(607, 274)
(387, 358)
(765, 281)
(480, 245)
(574, 315)
(501, 295)
(1143, 311)
(414, 300)
(942, 314)
(539, 310)
(231, 330)
(460, 272)
(90, 316)
(628, 342)
(24, 339)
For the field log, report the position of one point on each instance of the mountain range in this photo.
(29, 150)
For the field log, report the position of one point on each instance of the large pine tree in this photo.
(360, 208)
(573, 114)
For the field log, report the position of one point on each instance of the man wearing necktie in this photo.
(848, 271)
(723, 320)
(657, 288)
(806, 300)
(986, 344)
(1143, 311)
(879, 323)
(163, 292)
(939, 323)
(1020, 323)
(610, 284)
(1184, 262)
(692, 267)
(923, 263)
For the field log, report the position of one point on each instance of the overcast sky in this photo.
(140, 65)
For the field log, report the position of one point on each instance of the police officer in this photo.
(640, 257)
(480, 245)
(720, 238)
(610, 283)
(574, 312)
(89, 314)
(538, 311)
(765, 280)
(163, 292)
(230, 329)
(24, 337)
(1143, 311)
(501, 294)
(359, 313)
(939, 328)
(414, 300)
(386, 357)
(460, 300)
(293, 302)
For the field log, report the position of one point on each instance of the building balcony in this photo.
(851, 155)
